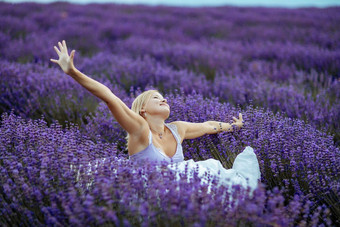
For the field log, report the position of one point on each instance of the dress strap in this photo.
(150, 137)
(174, 131)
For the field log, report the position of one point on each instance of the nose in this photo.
(164, 100)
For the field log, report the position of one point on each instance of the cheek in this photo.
(150, 105)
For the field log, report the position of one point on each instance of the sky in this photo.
(197, 3)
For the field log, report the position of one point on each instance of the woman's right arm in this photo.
(133, 123)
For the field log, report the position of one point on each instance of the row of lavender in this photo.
(293, 156)
(235, 54)
(286, 60)
(314, 27)
(306, 38)
(56, 176)
(24, 89)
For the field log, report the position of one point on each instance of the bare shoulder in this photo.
(181, 127)
(179, 124)
(190, 130)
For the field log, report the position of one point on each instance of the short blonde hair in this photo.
(141, 100)
(137, 105)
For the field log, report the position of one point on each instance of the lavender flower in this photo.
(63, 157)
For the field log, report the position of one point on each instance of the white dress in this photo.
(245, 171)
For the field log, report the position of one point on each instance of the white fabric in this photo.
(245, 171)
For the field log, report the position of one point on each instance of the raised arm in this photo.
(129, 120)
(188, 130)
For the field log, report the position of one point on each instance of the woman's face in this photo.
(157, 105)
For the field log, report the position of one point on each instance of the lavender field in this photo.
(63, 157)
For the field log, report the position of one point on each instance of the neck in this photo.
(157, 125)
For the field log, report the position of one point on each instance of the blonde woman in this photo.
(151, 139)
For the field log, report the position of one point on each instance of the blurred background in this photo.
(276, 62)
(198, 3)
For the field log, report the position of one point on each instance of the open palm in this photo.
(238, 122)
(65, 61)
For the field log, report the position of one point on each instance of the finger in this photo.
(64, 43)
(72, 54)
(60, 47)
(56, 50)
(54, 60)
(235, 119)
(240, 116)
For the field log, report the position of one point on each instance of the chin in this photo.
(167, 114)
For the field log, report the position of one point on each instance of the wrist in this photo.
(230, 128)
(236, 126)
(226, 127)
(72, 72)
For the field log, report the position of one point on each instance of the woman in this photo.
(150, 139)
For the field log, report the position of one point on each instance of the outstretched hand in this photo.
(65, 61)
(238, 122)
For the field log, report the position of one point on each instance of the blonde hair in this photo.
(137, 105)
(141, 100)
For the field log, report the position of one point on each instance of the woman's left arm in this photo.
(188, 130)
